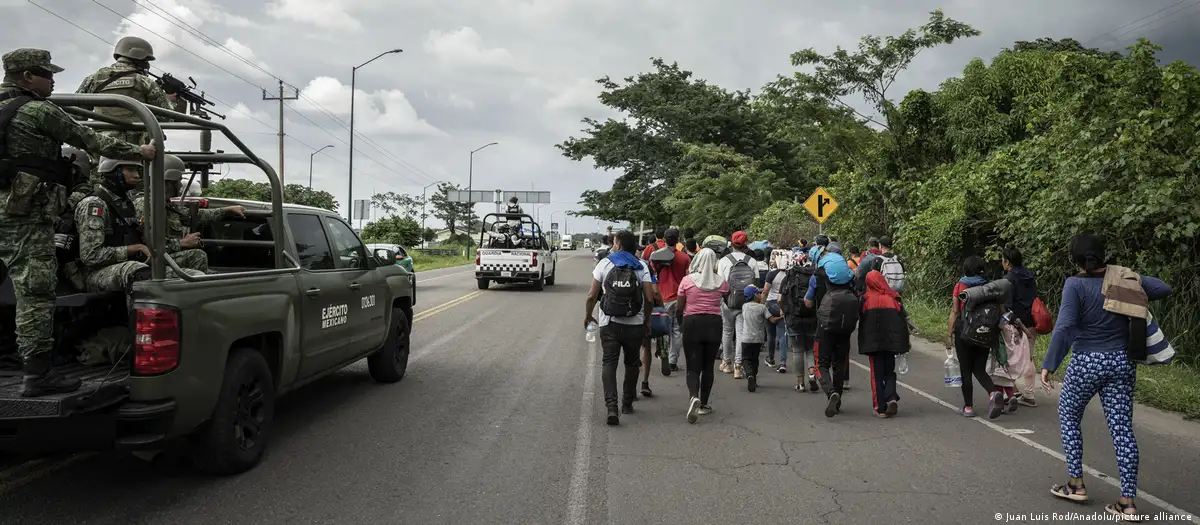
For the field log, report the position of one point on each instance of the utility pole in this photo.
(281, 98)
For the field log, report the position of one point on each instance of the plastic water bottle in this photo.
(902, 364)
(590, 333)
(953, 375)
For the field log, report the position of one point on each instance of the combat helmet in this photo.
(135, 48)
(173, 168)
(108, 165)
(79, 158)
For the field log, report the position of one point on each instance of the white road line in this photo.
(577, 493)
(1143, 495)
(420, 280)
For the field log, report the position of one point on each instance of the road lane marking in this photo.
(1115, 482)
(420, 280)
(19, 475)
(577, 491)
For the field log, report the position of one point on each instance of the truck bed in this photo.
(87, 398)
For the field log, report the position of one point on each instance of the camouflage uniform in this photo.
(38, 131)
(193, 258)
(134, 84)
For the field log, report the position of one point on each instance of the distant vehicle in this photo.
(566, 243)
(587, 244)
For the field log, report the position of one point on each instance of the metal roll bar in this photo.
(156, 197)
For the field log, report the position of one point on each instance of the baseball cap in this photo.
(750, 292)
(738, 239)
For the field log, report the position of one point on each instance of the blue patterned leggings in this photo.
(1112, 375)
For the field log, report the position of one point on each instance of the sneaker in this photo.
(613, 418)
(831, 405)
(693, 409)
(995, 405)
(770, 361)
(627, 408)
(49, 383)
(1011, 405)
(751, 384)
(725, 368)
(738, 373)
(674, 367)
(704, 410)
(782, 369)
(812, 385)
(892, 407)
(1028, 401)
(646, 389)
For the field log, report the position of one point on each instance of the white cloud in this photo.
(465, 47)
(176, 45)
(385, 112)
(327, 14)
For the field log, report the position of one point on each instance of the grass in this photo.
(1175, 387)
(422, 262)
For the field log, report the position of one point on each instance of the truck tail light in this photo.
(156, 341)
(476, 258)
(533, 263)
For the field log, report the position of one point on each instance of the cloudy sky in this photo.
(517, 72)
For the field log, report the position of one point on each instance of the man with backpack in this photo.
(882, 259)
(799, 320)
(624, 318)
(831, 292)
(671, 266)
(738, 271)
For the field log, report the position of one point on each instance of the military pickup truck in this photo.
(512, 249)
(295, 296)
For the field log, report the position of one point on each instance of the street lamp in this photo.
(564, 227)
(353, 71)
(310, 164)
(471, 173)
(424, 213)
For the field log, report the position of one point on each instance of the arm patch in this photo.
(95, 210)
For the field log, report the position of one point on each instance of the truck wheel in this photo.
(235, 439)
(483, 284)
(539, 284)
(388, 364)
(550, 280)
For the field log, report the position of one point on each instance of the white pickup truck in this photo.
(512, 249)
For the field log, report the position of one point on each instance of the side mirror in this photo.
(383, 254)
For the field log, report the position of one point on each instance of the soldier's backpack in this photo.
(741, 275)
(622, 293)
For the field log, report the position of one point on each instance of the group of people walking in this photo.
(814, 299)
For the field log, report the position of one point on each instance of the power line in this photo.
(1121, 30)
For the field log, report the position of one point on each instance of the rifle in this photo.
(196, 102)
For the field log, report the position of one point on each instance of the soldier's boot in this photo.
(42, 380)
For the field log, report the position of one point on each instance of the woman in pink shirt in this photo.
(699, 306)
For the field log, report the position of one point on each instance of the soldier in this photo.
(32, 171)
(127, 76)
(64, 230)
(182, 244)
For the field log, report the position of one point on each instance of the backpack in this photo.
(892, 270)
(661, 259)
(793, 290)
(838, 311)
(980, 326)
(741, 275)
(622, 293)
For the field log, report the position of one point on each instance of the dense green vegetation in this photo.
(1043, 141)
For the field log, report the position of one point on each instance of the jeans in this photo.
(750, 353)
(703, 339)
(731, 334)
(833, 357)
(616, 340)
(676, 334)
(777, 335)
(801, 342)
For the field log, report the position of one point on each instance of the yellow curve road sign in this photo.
(820, 204)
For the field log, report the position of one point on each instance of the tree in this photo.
(391, 202)
(783, 223)
(393, 230)
(456, 215)
(429, 235)
(261, 191)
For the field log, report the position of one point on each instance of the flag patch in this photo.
(95, 210)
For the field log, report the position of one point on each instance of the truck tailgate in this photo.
(505, 263)
(90, 396)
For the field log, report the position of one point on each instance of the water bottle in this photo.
(590, 333)
(953, 375)
(902, 364)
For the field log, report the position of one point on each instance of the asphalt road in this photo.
(500, 420)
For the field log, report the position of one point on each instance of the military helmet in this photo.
(108, 165)
(173, 168)
(134, 47)
(79, 158)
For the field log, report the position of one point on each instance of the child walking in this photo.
(754, 333)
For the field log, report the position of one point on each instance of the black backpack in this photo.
(623, 295)
(741, 275)
(838, 311)
(793, 290)
(980, 326)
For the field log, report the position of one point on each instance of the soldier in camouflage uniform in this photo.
(32, 172)
(182, 244)
(110, 241)
(127, 76)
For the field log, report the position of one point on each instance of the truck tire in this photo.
(236, 437)
(550, 280)
(483, 284)
(388, 364)
(539, 284)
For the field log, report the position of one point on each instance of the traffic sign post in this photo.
(821, 205)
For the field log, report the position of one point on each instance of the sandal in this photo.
(1069, 491)
(1120, 509)
(966, 412)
